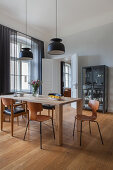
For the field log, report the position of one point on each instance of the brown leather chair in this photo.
(34, 108)
(9, 108)
(94, 105)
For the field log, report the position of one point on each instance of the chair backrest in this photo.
(7, 102)
(94, 105)
(34, 108)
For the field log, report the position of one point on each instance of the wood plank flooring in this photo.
(92, 155)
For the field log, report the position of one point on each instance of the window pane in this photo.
(12, 67)
(66, 77)
(17, 82)
(66, 85)
(18, 50)
(12, 82)
(66, 69)
(24, 68)
(18, 67)
(12, 49)
(69, 81)
(70, 70)
(25, 85)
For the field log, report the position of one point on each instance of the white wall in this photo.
(50, 76)
(94, 47)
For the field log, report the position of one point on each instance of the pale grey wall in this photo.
(94, 47)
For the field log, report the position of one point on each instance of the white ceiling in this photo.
(73, 15)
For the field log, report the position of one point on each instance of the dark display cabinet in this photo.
(95, 86)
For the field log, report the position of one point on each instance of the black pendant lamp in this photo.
(56, 47)
(25, 53)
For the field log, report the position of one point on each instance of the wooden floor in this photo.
(18, 154)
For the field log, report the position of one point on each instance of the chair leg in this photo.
(52, 113)
(28, 115)
(53, 128)
(26, 130)
(1, 121)
(99, 132)
(12, 124)
(74, 126)
(81, 133)
(40, 135)
(90, 127)
(4, 118)
(17, 120)
(2, 108)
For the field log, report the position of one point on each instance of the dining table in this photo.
(58, 109)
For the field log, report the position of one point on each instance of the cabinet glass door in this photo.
(98, 76)
(87, 86)
(98, 85)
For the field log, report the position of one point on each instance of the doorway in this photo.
(66, 79)
(69, 77)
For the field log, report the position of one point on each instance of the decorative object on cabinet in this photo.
(95, 86)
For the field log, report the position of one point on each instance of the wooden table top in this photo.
(43, 99)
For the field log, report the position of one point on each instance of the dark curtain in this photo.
(37, 48)
(5, 38)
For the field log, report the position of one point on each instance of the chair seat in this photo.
(42, 118)
(85, 117)
(48, 107)
(15, 111)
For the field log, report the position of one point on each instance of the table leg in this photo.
(1, 114)
(59, 124)
(12, 120)
(79, 112)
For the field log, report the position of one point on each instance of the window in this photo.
(67, 75)
(19, 70)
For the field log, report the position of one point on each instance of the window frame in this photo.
(19, 75)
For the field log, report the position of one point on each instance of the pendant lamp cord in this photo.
(56, 18)
(26, 23)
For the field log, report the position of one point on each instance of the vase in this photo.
(35, 90)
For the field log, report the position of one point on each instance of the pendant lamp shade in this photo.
(26, 54)
(56, 47)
